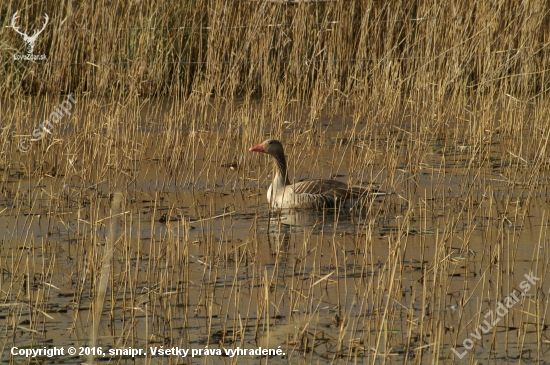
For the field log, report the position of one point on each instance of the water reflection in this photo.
(315, 222)
(284, 224)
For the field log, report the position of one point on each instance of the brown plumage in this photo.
(308, 194)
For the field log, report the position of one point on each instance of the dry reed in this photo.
(444, 105)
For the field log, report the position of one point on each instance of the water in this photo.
(199, 262)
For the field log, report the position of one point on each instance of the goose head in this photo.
(271, 147)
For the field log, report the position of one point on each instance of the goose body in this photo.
(308, 194)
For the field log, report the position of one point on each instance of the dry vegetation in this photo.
(142, 220)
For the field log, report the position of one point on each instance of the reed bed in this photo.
(356, 51)
(141, 220)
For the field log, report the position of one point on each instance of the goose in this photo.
(307, 194)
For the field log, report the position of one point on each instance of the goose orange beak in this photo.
(258, 148)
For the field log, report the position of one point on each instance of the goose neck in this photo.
(281, 175)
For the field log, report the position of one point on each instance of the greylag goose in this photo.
(308, 194)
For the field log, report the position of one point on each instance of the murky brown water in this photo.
(200, 263)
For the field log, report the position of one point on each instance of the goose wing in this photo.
(321, 187)
(329, 193)
(320, 193)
